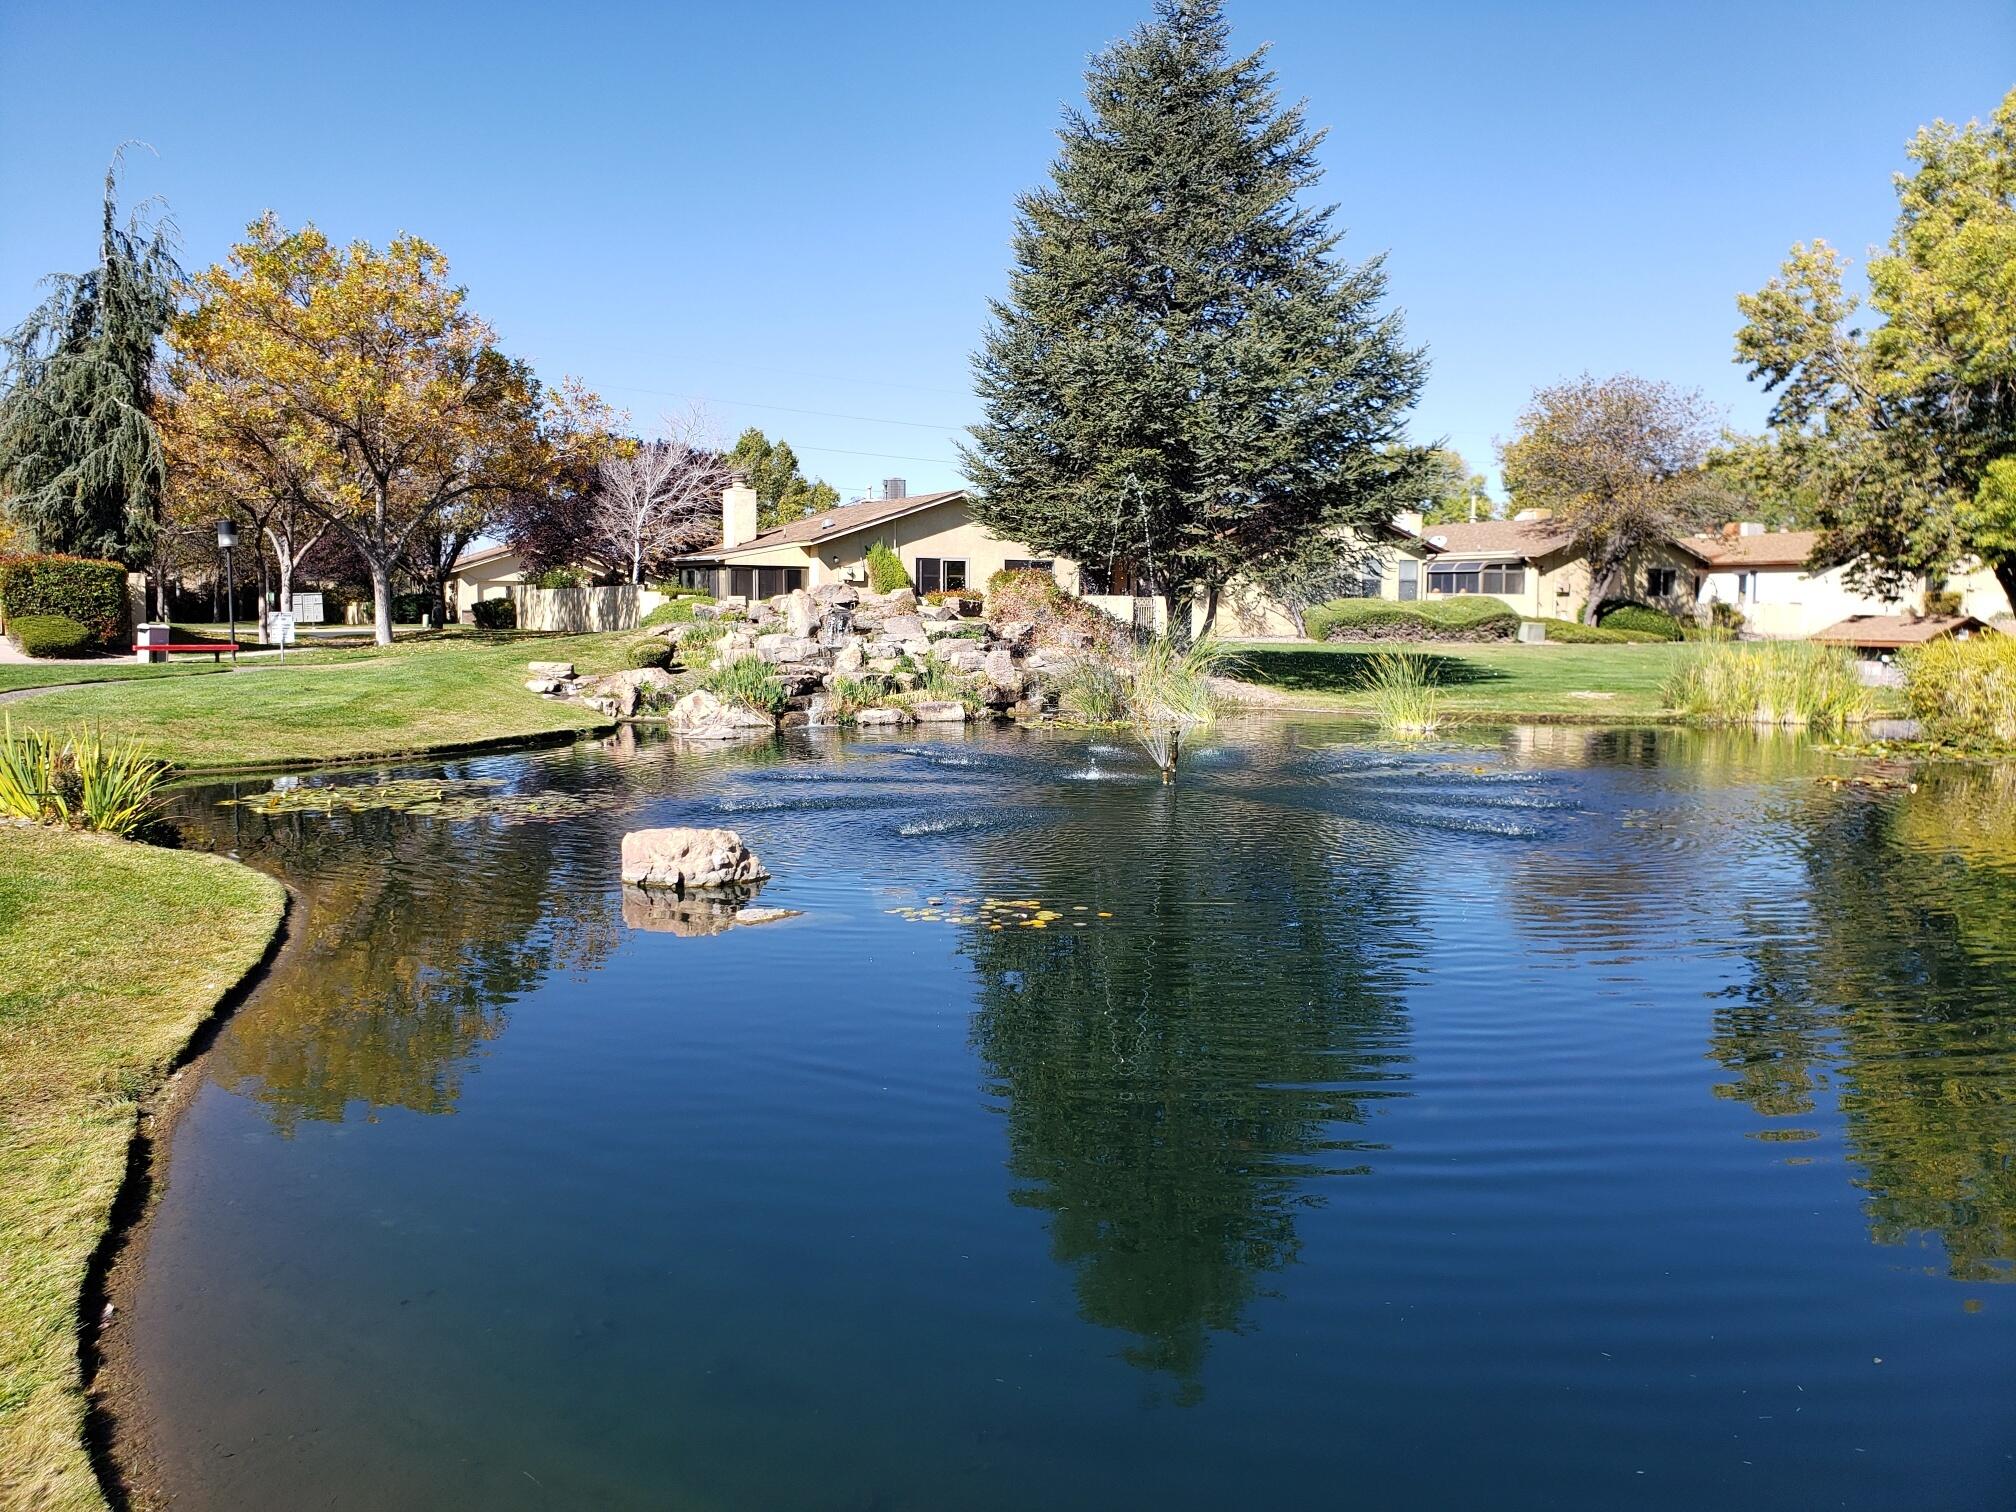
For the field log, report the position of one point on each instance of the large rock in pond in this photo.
(1001, 670)
(882, 717)
(683, 860)
(702, 716)
(938, 711)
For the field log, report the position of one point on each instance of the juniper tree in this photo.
(1184, 378)
(80, 453)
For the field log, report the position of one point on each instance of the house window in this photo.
(1410, 579)
(764, 582)
(1029, 564)
(940, 573)
(1454, 577)
(1660, 582)
(1504, 577)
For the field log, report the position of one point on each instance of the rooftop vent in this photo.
(895, 488)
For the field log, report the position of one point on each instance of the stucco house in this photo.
(1531, 563)
(934, 535)
(1765, 576)
(486, 573)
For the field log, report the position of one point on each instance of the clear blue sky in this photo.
(804, 206)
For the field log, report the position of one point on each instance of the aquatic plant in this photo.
(848, 696)
(1772, 683)
(1403, 692)
(82, 780)
(748, 682)
(1963, 693)
(1169, 695)
(1091, 691)
(428, 797)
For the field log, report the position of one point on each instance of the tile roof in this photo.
(1895, 629)
(833, 522)
(1774, 548)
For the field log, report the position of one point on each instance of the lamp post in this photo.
(227, 537)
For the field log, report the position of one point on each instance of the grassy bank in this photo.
(1614, 682)
(338, 705)
(97, 998)
(15, 675)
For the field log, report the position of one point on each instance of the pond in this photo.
(1557, 1118)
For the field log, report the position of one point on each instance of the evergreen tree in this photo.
(1184, 382)
(80, 454)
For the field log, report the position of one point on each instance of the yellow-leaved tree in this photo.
(360, 378)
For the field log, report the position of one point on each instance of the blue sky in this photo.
(781, 208)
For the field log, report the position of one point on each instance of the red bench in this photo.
(215, 648)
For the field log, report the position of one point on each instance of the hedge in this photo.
(677, 612)
(495, 614)
(49, 634)
(91, 592)
(650, 652)
(1575, 633)
(1461, 619)
(1621, 614)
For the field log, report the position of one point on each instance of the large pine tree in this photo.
(1185, 381)
(81, 465)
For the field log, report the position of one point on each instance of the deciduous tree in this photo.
(1184, 378)
(658, 497)
(1896, 428)
(388, 398)
(1458, 496)
(81, 464)
(1618, 462)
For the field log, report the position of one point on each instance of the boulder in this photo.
(902, 601)
(793, 719)
(555, 669)
(702, 716)
(786, 648)
(830, 595)
(1015, 633)
(1001, 670)
(902, 627)
(881, 664)
(934, 612)
(938, 711)
(762, 614)
(850, 659)
(801, 614)
(882, 717)
(687, 860)
(917, 649)
(548, 685)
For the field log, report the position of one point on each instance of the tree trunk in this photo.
(1210, 611)
(2005, 574)
(1601, 586)
(381, 602)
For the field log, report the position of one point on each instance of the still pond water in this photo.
(1562, 1119)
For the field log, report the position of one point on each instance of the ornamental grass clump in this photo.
(748, 682)
(1091, 691)
(1772, 683)
(1402, 690)
(1169, 696)
(81, 781)
(1963, 692)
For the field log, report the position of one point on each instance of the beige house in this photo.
(1532, 564)
(934, 535)
(1763, 574)
(489, 573)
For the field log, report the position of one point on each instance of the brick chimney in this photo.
(738, 515)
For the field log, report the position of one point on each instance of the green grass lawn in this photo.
(98, 996)
(35, 675)
(333, 705)
(1485, 681)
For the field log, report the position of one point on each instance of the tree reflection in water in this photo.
(1178, 1089)
(1900, 999)
(413, 942)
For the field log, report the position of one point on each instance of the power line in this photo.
(787, 409)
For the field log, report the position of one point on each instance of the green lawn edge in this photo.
(113, 957)
(438, 696)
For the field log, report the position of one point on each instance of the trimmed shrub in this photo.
(49, 634)
(965, 600)
(88, 591)
(1963, 693)
(680, 611)
(650, 652)
(1575, 633)
(495, 614)
(885, 569)
(561, 577)
(1480, 618)
(1621, 614)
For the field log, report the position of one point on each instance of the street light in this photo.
(227, 537)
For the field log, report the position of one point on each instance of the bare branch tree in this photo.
(658, 497)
